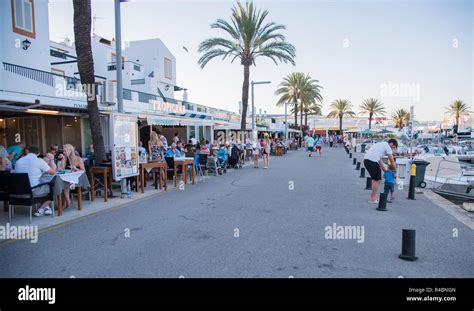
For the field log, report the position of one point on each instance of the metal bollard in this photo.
(408, 245)
(354, 161)
(411, 189)
(362, 172)
(383, 202)
(368, 183)
(350, 155)
(358, 166)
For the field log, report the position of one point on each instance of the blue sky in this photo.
(402, 52)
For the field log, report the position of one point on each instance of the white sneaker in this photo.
(39, 212)
(48, 211)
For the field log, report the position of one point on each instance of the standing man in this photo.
(331, 140)
(371, 163)
(176, 138)
(309, 145)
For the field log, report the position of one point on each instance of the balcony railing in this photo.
(48, 78)
(33, 74)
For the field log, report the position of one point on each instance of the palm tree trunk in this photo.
(340, 124)
(301, 115)
(370, 121)
(306, 119)
(457, 124)
(85, 64)
(245, 98)
(296, 113)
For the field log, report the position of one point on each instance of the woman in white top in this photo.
(255, 153)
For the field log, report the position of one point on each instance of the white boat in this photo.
(447, 177)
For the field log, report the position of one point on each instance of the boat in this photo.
(450, 178)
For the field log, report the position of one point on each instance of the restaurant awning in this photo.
(177, 121)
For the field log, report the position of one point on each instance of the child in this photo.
(389, 176)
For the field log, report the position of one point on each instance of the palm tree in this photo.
(298, 86)
(313, 109)
(341, 108)
(250, 37)
(456, 109)
(400, 117)
(372, 107)
(309, 94)
(288, 92)
(85, 64)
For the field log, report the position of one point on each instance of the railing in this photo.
(48, 78)
(33, 74)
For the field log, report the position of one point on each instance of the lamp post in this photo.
(253, 103)
(118, 55)
(286, 121)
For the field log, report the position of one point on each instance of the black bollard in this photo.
(362, 172)
(411, 189)
(408, 245)
(355, 148)
(383, 202)
(354, 161)
(358, 166)
(368, 183)
(350, 155)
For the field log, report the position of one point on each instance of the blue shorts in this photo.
(389, 187)
(310, 149)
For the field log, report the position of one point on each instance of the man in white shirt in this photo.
(372, 165)
(36, 167)
(176, 138)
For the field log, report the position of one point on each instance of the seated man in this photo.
(35, 167)
(173, 151)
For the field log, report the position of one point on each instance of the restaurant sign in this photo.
(164, 107)
(124, 134)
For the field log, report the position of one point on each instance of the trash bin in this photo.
(420, 172)
(362, 150)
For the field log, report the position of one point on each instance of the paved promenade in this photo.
(254, 223)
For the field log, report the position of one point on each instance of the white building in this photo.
(41, 100)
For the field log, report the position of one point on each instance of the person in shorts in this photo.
(319, 144)
(309, 145)
(36, 167)
(372, 165)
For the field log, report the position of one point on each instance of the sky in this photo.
(403, 53)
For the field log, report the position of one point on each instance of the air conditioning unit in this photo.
(109, 93)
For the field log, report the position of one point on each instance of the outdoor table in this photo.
(106, 173)
(161, 166)
(183, 162)
(278, 150)
(61, 181)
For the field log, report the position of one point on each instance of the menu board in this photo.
(125, 145)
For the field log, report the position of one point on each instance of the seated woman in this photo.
(5, 163)
(205, 149)
(69, 161)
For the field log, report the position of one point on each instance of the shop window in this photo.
(168, 69)
(23, 17)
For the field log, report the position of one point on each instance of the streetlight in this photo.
(286, 121)
(253, 103)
